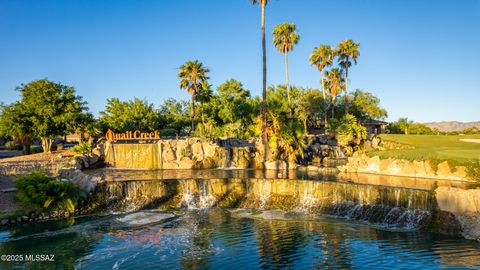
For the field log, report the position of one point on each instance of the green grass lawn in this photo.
(433, 147)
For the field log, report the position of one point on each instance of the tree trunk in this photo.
(90, 140)
(264, 87)
(27, 149)
(324, 98)
(47, 145)
(286, 77)
(203, 117)
(305, 125)
(346, 90)
(333, 108)
(80, 137)
(193, 112)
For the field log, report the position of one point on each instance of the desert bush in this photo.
(42, 192)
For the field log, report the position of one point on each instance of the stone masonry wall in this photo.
(400, 167)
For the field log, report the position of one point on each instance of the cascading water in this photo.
(385, 206)
(338, 152)
(196, 195)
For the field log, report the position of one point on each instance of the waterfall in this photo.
(381, 205)
(338, 152)
(196, 195)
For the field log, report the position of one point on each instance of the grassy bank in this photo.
(432, 147)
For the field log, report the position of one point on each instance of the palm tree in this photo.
(284, 37)
(335, 85)
(204, 96)
(192, 74)
(322, 57)
(347, 51)
(263, 4)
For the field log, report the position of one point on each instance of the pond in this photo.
(235, 239)
(247, 219)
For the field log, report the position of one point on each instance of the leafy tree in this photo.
(284, 37)
(322, 57)
(404, 124)
(471, 130)
(418, 128)
(366, 106)
(128, 115)
(192, 75)
(235, 103)
(277, 103)
(263, 5)
(347, 50)
(15, 122)
(334, 84)
(174, 114)
(310, 108)
(51, 108)
(85, 126)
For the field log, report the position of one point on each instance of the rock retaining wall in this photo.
(400, 167)
(465, 207)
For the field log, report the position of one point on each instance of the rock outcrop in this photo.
(465, 207)
(400, 167)
(85, 181)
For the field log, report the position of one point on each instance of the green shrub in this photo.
(85, 148)
(168, 132)
(42, 192)
(36, 149)
(347, 130)
(10, 145)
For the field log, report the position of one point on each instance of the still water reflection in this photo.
(234, 239)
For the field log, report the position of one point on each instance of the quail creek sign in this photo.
(132, 135)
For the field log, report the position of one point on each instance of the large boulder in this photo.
(444, 171)
(275, 165)
(186, 163)
(408, 169)
(169, 154)
(197, 151)
(374, 165)
(209, 149)
(460, 172)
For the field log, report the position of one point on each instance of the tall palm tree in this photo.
(192, 74)
(263, 5)
(347, 51)
(335, 85)
(284, 37)
(322, 57)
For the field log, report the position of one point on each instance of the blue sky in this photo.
(421, 57)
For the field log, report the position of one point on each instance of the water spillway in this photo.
(388, 206)
(192, 153)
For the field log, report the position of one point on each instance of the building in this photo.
(372, 126)
(375, 126)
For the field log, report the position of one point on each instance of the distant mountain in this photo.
(452, 125)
